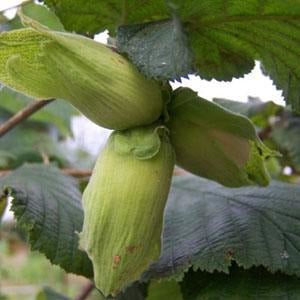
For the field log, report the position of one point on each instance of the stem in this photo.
(71, 172)
(22, 115)
(86, 290)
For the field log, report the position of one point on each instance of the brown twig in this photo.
(22, 115)
(72, 172)
(86, 290)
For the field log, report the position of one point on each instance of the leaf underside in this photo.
(252, 284)
(207, 226)
(47, 204)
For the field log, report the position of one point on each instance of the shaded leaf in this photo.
(36, 12)
(258, 111)
(164, 290)
(49, 294)
(58, 112)
(159, 49)
(47, 204)
(286, 134)
(43, 15)
(207, 226)
(252, 284)
(136, 291)
(88, 17)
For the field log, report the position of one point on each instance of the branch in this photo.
(22, 115)
(86, 290)
(72, 172)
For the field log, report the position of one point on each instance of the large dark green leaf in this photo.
(226, 36)
(207, 226)
(90, 17)
(254, 284)
(58, 112)
(47, 204)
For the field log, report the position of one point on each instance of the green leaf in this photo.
(286, 134)
(49, 294)
(43, 15)
(58, 112)
(47, 204)
(159, 49)
(207, 226)
(253, 284)
(225, 36)
(29, 142)
(36, 12)
(258, 111)
(87, 17)
(164, 290)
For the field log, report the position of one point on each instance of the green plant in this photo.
(241, 218)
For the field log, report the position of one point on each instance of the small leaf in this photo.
(159, 49)
(207, 226)
(47, 204)
(43, 15)
(253, 284)
(49, 294)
